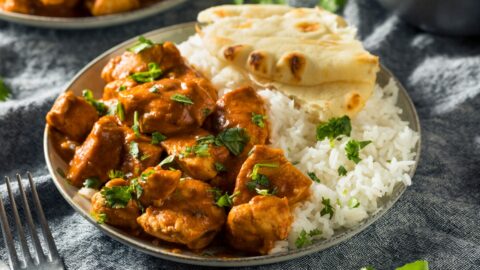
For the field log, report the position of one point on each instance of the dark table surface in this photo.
(437, 219)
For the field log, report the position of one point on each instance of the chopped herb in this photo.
(257, 119)
(295, 162)
(98, 105)
(315, 232)
(61, 173)
(234, 139)
(314, 177)
(201, 150)
(206, 111)
(135, 186)
(353, 203)
(145, 156)
(332, 5)
(121, 88)
(92, 182)
(117, 197)
(134, 151)
(100, 217)
(352, 149)
(142, 44)
(254, 175)
(327, 208)
(334, 128)
(4, 91)
(342, 171)
(136, 125)
(259, 181)
(181, 99)
(120, 111)
(417, 265)
(186, 152)
(266, 192)
(167, 160)
(219, 167)
(112, 174)
(153, 89)
(304, 238)
(153, 73)
(158, 137)
(206, 139)
(223, 200)
(144, 176)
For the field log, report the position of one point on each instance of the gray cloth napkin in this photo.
(437, 218)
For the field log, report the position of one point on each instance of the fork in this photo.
(37, 260)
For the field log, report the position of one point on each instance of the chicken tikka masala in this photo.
(169, 158)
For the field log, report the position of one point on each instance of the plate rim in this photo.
(116, 234)
(88, 22)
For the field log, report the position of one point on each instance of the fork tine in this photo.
(21, 234)
(47, 234)
(28, 214)
(7, 237)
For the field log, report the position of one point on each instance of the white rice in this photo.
(385, 162)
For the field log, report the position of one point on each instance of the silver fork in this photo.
(37, 260)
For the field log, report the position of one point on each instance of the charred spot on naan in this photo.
(307, 27)
(297, 63)
(353, 102)
(231, 52)
(259, 62)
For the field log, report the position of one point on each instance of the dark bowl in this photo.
(449, 17)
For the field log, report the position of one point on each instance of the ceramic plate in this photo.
(88, 22)
(89, 77)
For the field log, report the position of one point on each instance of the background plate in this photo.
(89, 22)
(89, 77)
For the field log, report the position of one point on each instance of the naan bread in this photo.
(309, 54)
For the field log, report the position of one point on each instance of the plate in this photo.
(89, 22)
(89, 77)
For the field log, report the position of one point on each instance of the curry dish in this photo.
(72, 8)
(167, 157)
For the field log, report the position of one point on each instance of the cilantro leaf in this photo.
(144, 176)
(158, 137)
(99, 217)
(154, 72)
(115, 174)
(225, 200)
(136, 187)
(266, 192)
(121, 88)
(136, 124)
(417, 265)
(219, 167)
(314, 177)
(201, 150)
(4, 91)
(142, 44)
(234, 139)
(91, 182)
(117, 197)
(98, 105)
(167, 160)
(352, 149)
(327, 208)
(120, 111)
(334, 128)
(342, 171)
(181, 99)
(302, 239)
(257, 119)
(353, 203)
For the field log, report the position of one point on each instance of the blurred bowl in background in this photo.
(450, 17)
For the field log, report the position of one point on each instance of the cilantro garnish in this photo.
(91, 182)
(257, 119)
(115, 174)
(342, 171)
(201, 150)
(98, 105)
(4, 91)
(352, 149)
(305, 238)
(266, 192)
(136, 124)
(167, 160)
(334, 128)
(234, 139)
(223, 200)
(153, 73)
(134, 185)
(219, 167)
(314, 177)
(327, 208)
(100, 217)
(142, 44)
(121, 88)
(134, 151)
(181, 99)
(120, 111)
(117, 197)
(153, 89)
(158, 137)
(353, 203)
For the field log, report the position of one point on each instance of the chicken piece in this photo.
(168, 108)
(106, 7)
(267, 168)
(100, 153)
(64, 147)
(112, 89)
(121, 211)
(190, 216)
(243, 108)
(196, 157)
(72, 116)
(157, 185)
(148, 155)
(166, 55)
(60, 3)
(18, 6)
(255, 226)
